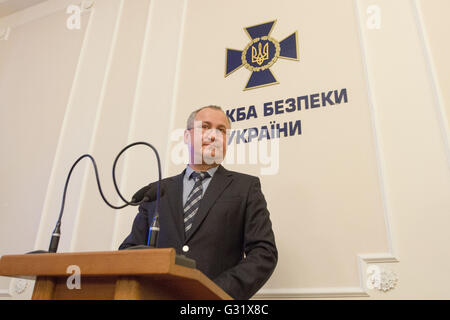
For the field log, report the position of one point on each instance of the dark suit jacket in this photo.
(232, 220)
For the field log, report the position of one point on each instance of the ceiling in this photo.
(8, 7)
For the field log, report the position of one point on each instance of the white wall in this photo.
(366, 184)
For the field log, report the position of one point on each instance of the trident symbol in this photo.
(258, 56)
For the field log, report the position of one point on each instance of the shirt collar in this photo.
(211, 171)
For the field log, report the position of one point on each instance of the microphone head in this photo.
(139, 195)
(149, 192)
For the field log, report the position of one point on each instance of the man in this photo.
(217, 217)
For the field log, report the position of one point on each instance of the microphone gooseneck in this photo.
(153, 231)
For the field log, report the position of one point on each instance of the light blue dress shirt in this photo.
(188, 183)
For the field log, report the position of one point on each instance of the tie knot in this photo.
(199, 175)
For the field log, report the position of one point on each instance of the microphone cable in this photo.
(57, 231)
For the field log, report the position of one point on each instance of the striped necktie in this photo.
(193, 200)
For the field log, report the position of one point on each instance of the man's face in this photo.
(207, 140)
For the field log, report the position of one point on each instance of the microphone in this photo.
(148, 194)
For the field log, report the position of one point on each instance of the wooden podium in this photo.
(118, 275)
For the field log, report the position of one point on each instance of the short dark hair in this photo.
(191, 118)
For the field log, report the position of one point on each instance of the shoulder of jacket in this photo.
(241, 176)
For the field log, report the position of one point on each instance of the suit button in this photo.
(185, 248)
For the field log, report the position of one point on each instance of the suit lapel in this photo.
(175, 199)
(221, 179)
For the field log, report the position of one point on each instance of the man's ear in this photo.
(187, 136)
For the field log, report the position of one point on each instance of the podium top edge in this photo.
(96, 263)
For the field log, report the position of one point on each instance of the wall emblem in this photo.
(260, 54)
